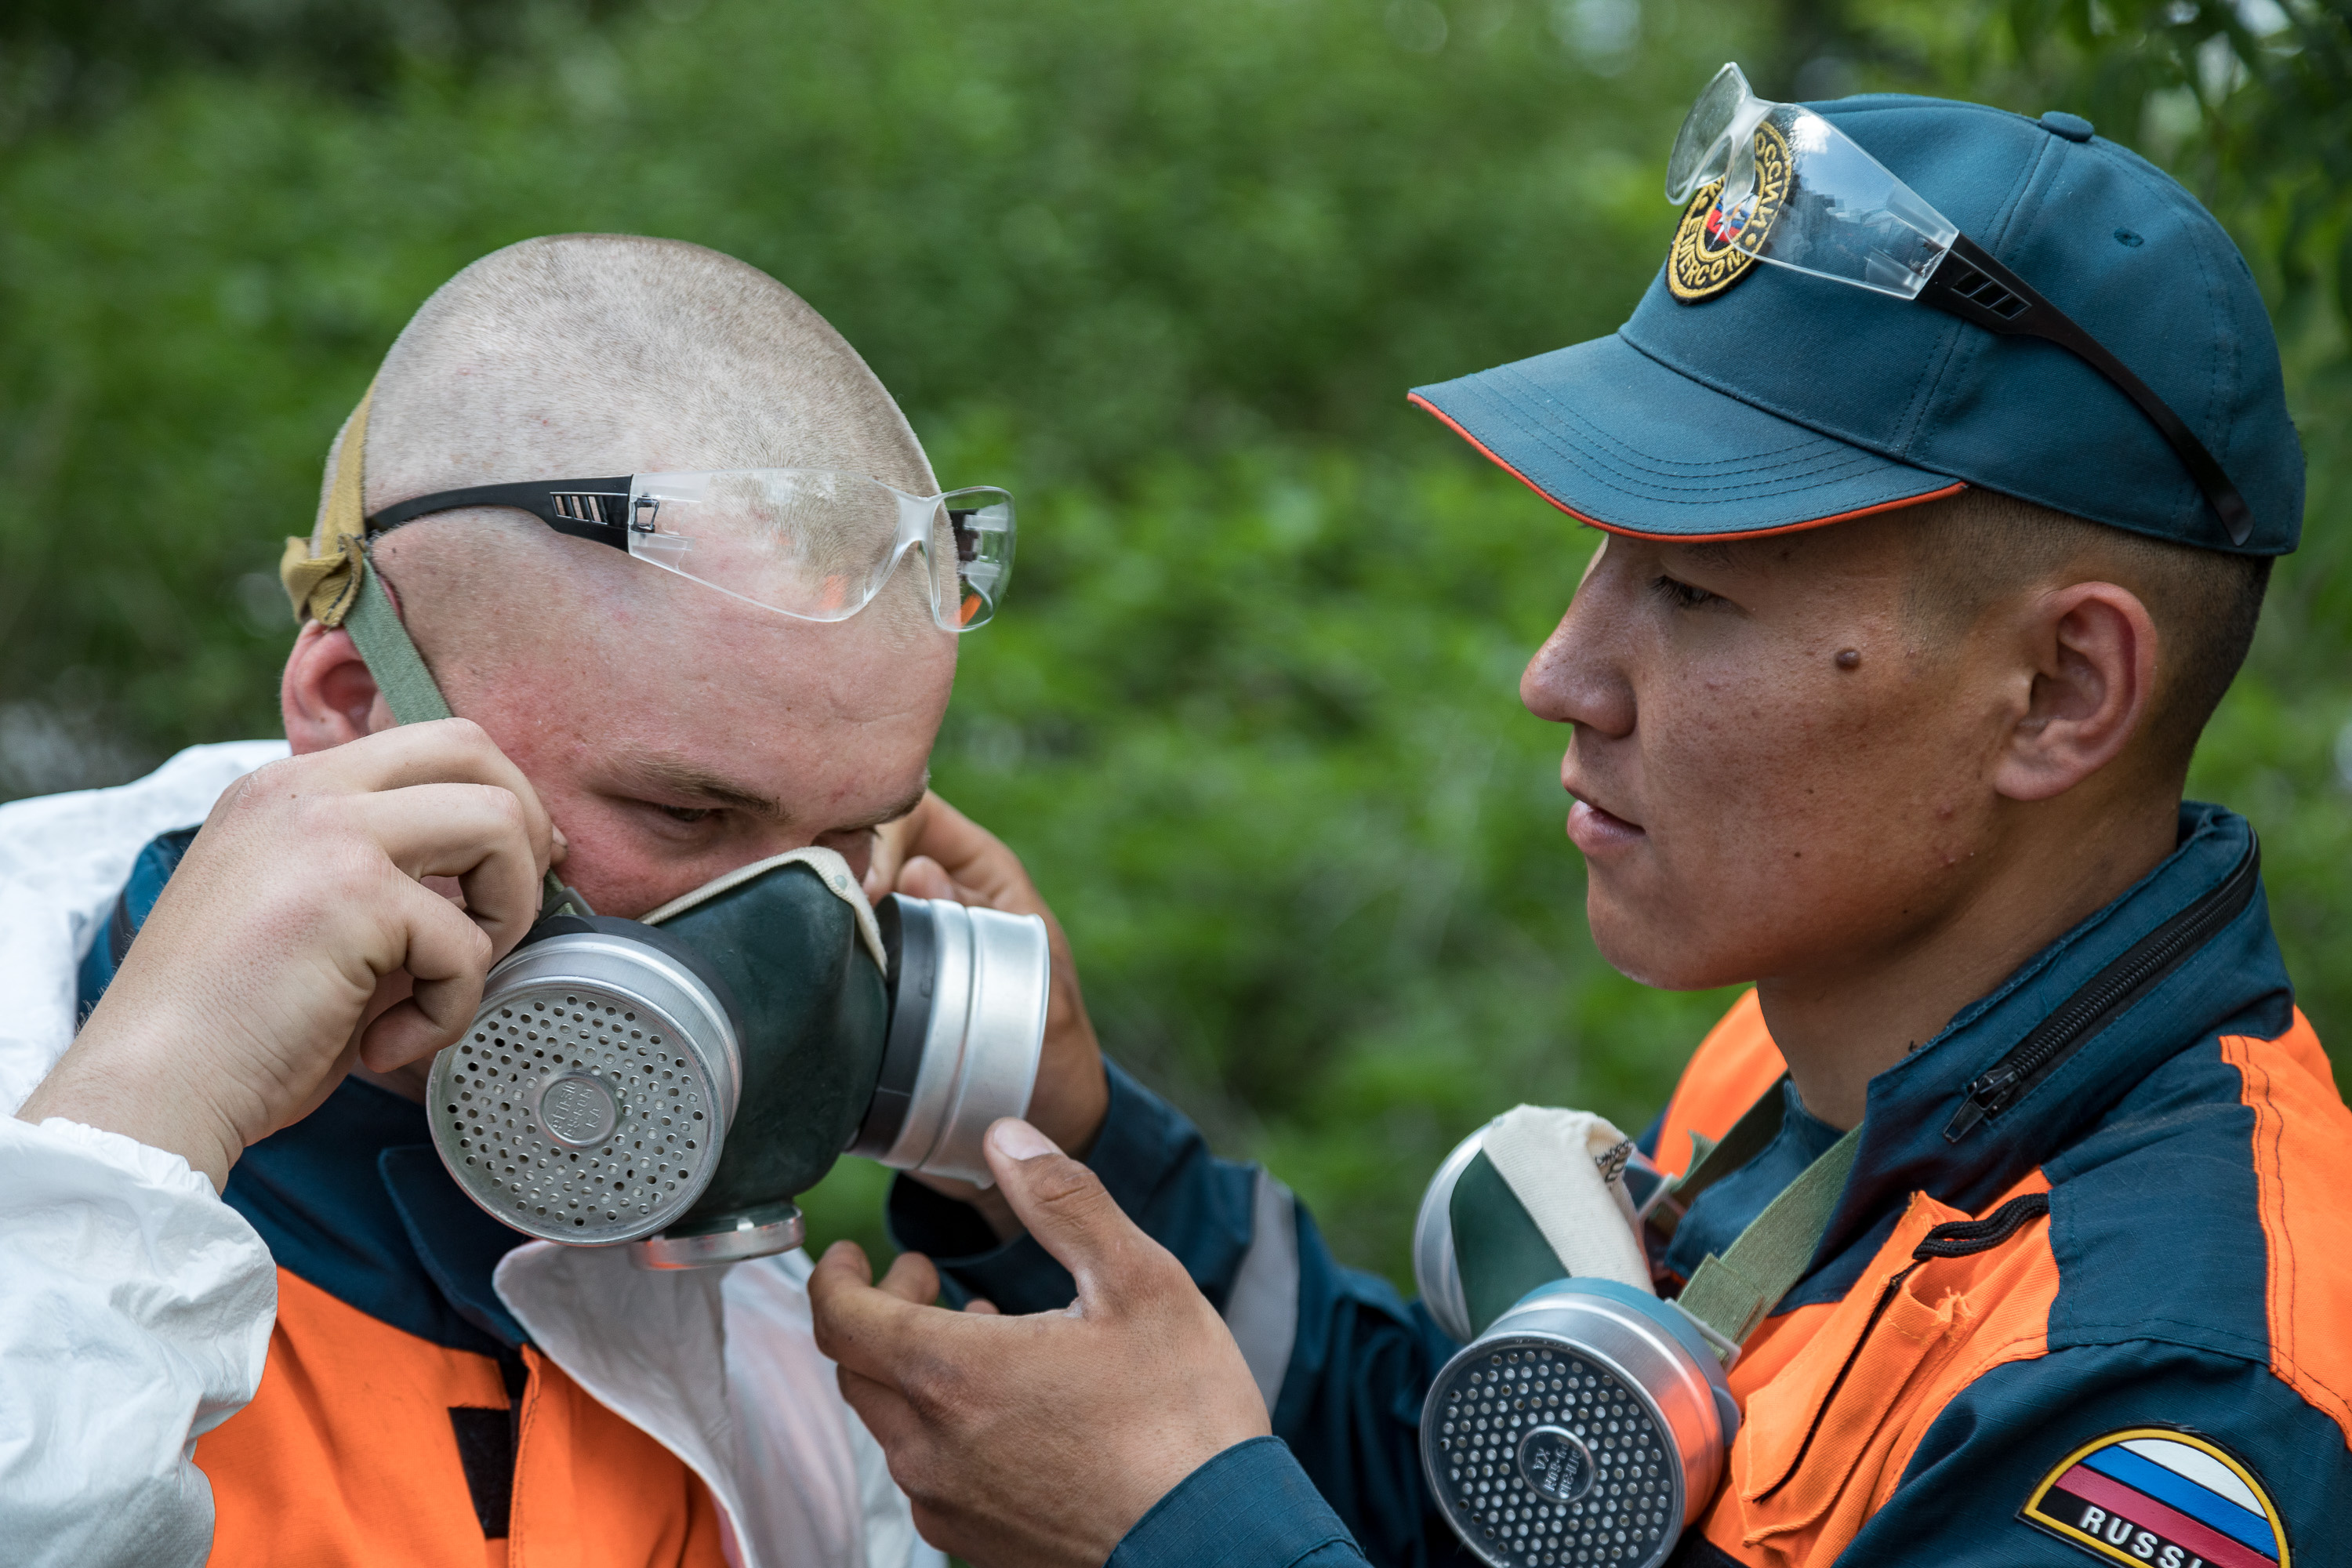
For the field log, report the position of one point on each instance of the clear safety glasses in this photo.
(1778, 182)
(808, 542)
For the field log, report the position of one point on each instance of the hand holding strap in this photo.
(339, 588)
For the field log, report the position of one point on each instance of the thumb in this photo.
(893, 843)
(925, 878)
(1065, 1205)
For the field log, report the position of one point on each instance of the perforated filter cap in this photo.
(1541, 1456)
(1582, 1430)
(588, 1101)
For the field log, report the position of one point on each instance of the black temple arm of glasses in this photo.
(1968, 283)
(966, 537)
(584, 508)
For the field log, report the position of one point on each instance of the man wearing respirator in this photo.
(660, 538)
(2002, 1221)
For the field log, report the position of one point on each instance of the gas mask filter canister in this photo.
(1585, 1421)
(675, 1082)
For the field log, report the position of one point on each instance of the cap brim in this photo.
(1609, 434)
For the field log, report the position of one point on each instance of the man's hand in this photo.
(1038, 1442)
(298, 938)
(937, 852)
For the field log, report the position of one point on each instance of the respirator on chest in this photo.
(676, 1082)
(1585, 1421)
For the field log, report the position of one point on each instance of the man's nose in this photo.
(1578, 676)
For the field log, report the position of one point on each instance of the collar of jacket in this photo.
(354, 1199)
(2233, 982)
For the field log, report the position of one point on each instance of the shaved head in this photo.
(586, 355)
(675, 732)
(592, 354)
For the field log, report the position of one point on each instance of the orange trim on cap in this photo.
(1955, 487)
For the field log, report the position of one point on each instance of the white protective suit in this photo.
(136, 1306)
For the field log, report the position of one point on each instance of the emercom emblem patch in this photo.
(2155, 1496)
(1713, 249)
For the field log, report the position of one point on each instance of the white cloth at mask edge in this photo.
(830, 868)
(131, 1284)
(1546, 1157)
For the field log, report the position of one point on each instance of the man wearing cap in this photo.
(247, 1315)
(1939, 476)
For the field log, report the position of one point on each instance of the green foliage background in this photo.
(1166, 272)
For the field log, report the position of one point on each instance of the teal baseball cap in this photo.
(1877, 301)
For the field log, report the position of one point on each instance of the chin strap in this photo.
(330, 580)
(323, 572)
(414, 697)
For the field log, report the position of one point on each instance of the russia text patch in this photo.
(2157, 1498)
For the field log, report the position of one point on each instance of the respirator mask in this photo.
(674, 1083)
(1585, 1421)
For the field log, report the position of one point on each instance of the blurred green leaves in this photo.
(1116, 232)
(1168, 272)
(79, 63)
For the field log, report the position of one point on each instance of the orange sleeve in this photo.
(2303, 1161)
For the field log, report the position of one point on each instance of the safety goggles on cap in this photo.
(808, 542)
(1780, 184)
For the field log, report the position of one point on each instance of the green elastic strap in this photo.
(392, 657)
(1731, 1293)
(412, 693)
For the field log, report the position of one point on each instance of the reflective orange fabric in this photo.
(346, 1459)
(2303, 1166)
(1729, 1072)
(1837, 1403)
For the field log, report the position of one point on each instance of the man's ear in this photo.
(2093, 648)
(327, 695)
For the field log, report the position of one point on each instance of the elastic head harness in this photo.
(330, 580)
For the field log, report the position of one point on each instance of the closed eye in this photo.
(688, 814)
(1681, 595)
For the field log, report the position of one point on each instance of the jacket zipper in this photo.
(2108, 992)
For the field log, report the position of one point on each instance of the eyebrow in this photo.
(701, 786)
(893, 813)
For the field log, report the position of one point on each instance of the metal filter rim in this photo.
(623, 973)
(1500, 1342)
(763, 1233)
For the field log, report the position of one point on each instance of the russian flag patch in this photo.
(2155, 1496)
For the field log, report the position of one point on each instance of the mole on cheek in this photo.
(1848, 658)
